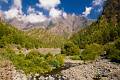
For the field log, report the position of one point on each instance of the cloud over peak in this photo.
(55, 13)
(32, 15)
(29, 10)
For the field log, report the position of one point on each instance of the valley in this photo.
(63, 48)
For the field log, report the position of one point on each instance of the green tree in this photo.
(91, 52)
(70, 49)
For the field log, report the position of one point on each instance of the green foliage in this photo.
(35, 38)
(10, 35)
(48, 39)
(75, 57)
(34, 62)
(100, 32)
(70, 49)
(91, 52)
(117, 43)
(113, 51)
(32, 54)
(56, 61)
(104, 31)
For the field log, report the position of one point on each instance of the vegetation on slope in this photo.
(10, 35)
(48, 39)
(34, 62)
(105, 30)
(37, 38)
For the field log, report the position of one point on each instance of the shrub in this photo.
(60, 59)
(70, 49)
(75, 57)
(117, 43)
(113, 53)
(55, 61)
(33, 54)
(91, 52)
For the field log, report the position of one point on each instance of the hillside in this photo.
(15, 43)
(37, 38)
(11, 35)
(62, 26)
(47, 38)
(105, 31)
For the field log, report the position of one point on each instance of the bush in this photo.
(55, 61)
(91, 52)
(70, 49)
(117, 43)
(33, 54)
(75, 57)
(113, 52)
(34, 62)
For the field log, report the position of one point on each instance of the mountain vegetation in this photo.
(101, 38)
(47, 38)
(11, 35)
(33, 62)
(37, 38)
(102, 32)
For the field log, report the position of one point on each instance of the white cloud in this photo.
(30, 10)
(87, 11)
(32, 17)
(17, 3)
(55, 13)
(12, 13)
(15, 11)
(98, 2)
(35, 18)
(48, 4)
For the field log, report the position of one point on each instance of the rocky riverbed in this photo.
(97, 70)
(73, 70)
(77, 70)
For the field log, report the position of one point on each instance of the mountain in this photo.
(67, 26)
(34, 38)
(63, 26)
(104, 33)
(105, 29)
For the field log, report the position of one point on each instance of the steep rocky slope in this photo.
(70, 24)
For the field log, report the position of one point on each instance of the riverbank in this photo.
(78, 70)
(72, 70)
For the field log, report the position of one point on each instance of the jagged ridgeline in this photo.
(105, 30)
(11, 35)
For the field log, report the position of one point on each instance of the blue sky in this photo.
(51, 8)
